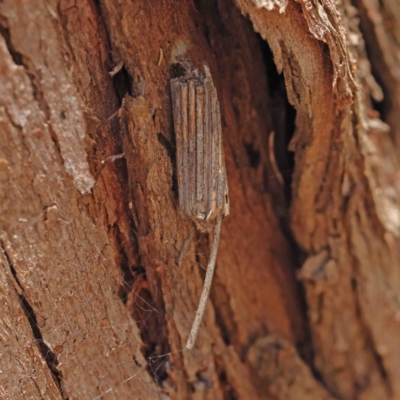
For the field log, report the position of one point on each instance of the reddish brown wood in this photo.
(93, 303)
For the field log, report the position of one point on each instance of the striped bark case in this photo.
(203, 189)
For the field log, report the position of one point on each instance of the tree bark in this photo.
(305, 301)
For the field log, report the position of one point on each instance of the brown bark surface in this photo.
(305, 303)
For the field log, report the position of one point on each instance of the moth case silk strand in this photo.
(206, 287)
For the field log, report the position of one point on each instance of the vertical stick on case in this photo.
(202, 183)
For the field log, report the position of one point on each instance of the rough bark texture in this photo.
(305, 302)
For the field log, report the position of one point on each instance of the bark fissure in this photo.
(5, 32)
(135, 294)
(23, 61)
(145, 306)
(134, 289)
(49, 357)
(228, 390)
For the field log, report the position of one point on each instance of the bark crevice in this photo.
(49, 357)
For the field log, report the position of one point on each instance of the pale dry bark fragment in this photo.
(62, 107)
(271, 4)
